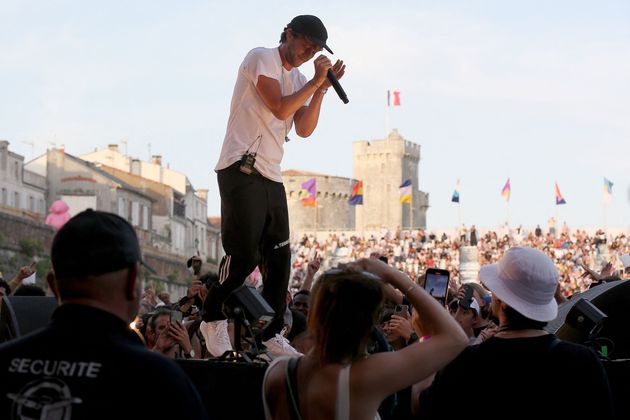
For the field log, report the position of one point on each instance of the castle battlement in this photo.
(382, 165)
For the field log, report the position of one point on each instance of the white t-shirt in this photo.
(250, 117)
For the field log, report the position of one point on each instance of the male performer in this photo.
(270, 96)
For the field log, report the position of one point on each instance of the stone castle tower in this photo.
(383, 165)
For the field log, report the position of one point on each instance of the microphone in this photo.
(335, 84)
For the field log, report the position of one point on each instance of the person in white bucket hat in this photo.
(522, 365)
(525, 279)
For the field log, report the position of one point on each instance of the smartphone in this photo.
(468, 293)
(176, 316)
(436, 283)
(401, 310)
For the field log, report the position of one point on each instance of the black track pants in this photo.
(255, 232)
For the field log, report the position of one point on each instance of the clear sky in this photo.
(537, 91)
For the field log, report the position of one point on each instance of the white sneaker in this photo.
(216, 335)
(280, 346)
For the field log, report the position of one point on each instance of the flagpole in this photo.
(557, 193)
(362, 223)
(386, 122)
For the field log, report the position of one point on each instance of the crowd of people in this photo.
(362, 325)
(573, 252)
(402, 322)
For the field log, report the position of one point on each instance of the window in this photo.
(31, 203)
(122, 208)
(16, 199)
(4, 196)
(145, 217)
(213, 250)
(16, 170)
(135, 213)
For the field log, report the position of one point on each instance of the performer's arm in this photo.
(284, 106)
(306, 118)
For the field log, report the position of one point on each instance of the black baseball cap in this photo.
(94, 242)
(312, 27)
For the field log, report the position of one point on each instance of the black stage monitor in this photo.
(20, 315)
(612, 301)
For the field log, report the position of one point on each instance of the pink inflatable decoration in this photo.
(58, 214)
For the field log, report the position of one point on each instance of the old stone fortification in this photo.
(15, 228)
(332, 212)
(383, 165)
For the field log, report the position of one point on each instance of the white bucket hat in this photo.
(525, 279)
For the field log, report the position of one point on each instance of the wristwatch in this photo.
(191, 355)
(412, 338)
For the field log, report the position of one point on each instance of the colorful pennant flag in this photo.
(356, 199)
(308, 193)
(405, 192)
(559, 198)
(608, 184)
(455, 197)
(393, 98)
(506, 191)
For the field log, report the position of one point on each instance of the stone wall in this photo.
(332, 212)
(14, 228)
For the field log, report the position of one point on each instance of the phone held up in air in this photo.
(436, 283)
(176, 316)
(401, 310)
